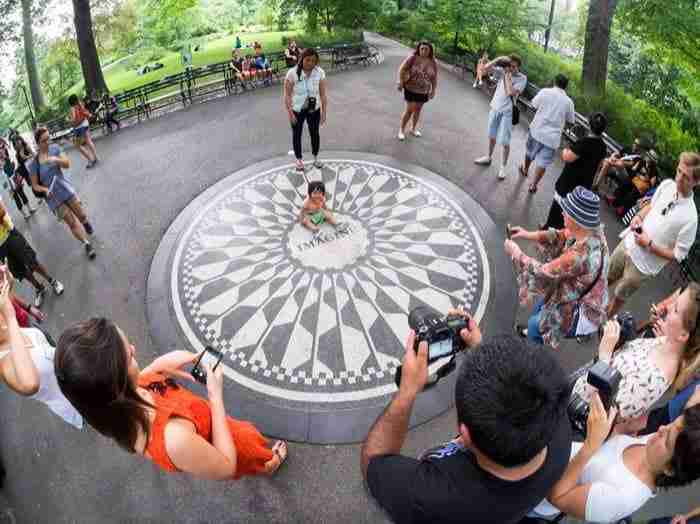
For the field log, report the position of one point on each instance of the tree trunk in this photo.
(30, 59)
(596, 47)
(89, 59)
(548, 32)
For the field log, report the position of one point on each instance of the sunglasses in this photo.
(162, 387)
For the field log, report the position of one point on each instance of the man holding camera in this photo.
(511, 82)
(662, 231)
(513, 443)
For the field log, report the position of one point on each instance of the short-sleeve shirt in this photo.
(554, 110)
(6, 226)
(676, 229)
(501, 102)
(421, 76)
(448, 486)
(305, 87)
(591, 151)
(52, 177)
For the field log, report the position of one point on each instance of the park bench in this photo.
(278, 63)
(59, 129)
(131, 104)
(348, 55)
(164, 93)
(208, 80)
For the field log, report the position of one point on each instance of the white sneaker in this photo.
(502, 173)
(475, 84)
(57, 287)
(416, 133)
(402, 137)
(39, 297)
(483, 161)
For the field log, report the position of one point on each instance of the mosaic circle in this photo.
(321, 317)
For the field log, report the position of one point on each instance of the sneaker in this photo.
(26, 213)
(481, 83)
(57, 287)
(483, 161)
(88, 228)
(416, 133)
(90, 165)
(318, 164)
(402, 137)
(39, 297)
(475, 84)
(90, 251)
(502, 173)
(32, 210)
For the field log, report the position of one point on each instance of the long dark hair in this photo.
(309, 51)
(92, 368)
(18, 140)
(416, 53)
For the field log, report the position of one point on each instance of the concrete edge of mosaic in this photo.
(332, 424)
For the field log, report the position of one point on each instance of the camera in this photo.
(311, 103)
(606, 380)
(440, 332)
(628, 328)
(209, 356)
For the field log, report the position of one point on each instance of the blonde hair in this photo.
(692, 160)
(690, 360)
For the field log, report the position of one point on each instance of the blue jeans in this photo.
(533, 323)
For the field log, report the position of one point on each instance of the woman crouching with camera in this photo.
(305, 100)
(572, 281)
(148, 413)
(608, 479)
(649, 366)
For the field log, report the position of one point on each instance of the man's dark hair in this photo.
(685, 462)
(516, 58)
(511, 395)
(561, 81)
(598, 122)
(317, 185)
(73, 100)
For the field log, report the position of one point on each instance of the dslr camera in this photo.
(628, 328)
(311, 104)
(606, 380)
(442, 335)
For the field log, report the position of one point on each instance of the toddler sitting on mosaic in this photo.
(314, 211)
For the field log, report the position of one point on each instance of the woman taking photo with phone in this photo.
(418, 77)
(148, 413)
(306, 101)
(48, 179)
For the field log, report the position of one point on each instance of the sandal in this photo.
(522, 171)
(532, 189)
(280, 452)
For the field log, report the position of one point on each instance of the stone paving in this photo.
(149, 174)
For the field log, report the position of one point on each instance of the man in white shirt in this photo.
(510, 84)
(554, 110)
(661, 231)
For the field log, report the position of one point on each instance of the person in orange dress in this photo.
(148, 413)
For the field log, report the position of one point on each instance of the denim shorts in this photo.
(501, 127)
(542, 155)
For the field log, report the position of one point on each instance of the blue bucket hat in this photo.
(583, 207)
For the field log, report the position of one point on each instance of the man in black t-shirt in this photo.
(582, 161)
(513, 445)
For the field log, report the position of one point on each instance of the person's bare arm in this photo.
(324, 100)
(37, 187)
(569, 156)
(171, 364)
(61, 160)
(17, 369)
(493, 63)
(288, 105)
(401, 70)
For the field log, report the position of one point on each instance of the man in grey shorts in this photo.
(511, 82)
(554, 110)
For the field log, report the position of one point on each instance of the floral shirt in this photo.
(422, 75)
(642, 384)
(569, 269)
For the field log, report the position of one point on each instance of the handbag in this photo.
(516, 112)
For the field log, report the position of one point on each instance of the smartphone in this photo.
(208, 357)
(630, 158)
(508, 231)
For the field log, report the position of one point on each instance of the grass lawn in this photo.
(119, 78)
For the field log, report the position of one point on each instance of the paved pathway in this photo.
(149, 173)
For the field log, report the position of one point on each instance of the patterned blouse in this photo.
(570, 267)
(642, 384)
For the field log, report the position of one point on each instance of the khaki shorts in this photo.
(624, 278)
(62, 210)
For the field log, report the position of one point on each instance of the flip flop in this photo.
(280, 450)
(522, 171)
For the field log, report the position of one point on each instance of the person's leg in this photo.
(306, 222)
(601, 175)
(530, 151)
(314, 121)
(555, 219)
(406, 117)
(416, 117)
(626, 284)
(330, 218)
(83, 150)
(493, 128)
(17, 199)
(76, 228)
(297, 130)
(22, 195)
(76, 207)
(539, 173)
(91, 145)
(533, 323)
(543, 159)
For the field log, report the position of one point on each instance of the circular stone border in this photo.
(336, 423)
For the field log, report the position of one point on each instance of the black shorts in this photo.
(410, 96)
(21, 258)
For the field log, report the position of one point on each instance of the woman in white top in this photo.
(305, 101)
(36, 378)
(609, 480)
(649, 366)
